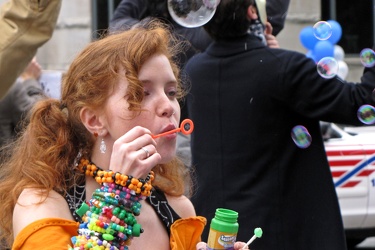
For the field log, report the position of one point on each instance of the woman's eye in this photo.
(172, 93)
(146, 93)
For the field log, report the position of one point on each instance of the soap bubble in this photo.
(366, 114)
(367, 57)
(327, 67)
(301, 136)
(322, 30)
(192, 13)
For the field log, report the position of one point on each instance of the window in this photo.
(356, 19)
(102, 12)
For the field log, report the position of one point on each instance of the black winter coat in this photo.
(245, 99)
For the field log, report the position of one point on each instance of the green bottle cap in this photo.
(225, 220)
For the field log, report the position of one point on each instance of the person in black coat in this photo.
(245, 99)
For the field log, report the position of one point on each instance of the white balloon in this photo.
(343, 70)
(338, 53)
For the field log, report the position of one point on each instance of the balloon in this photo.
(338, 52)
(307, 38)
(336, 31)
(343, 70)
(323, 49)
(310, 54)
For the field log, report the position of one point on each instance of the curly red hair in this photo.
(43, 155)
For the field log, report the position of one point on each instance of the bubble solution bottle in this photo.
(223, 230)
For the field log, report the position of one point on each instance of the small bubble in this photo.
(366, 114)
(367, 57)
(301, 136)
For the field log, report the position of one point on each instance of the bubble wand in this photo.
(257, 234)
(186, 127)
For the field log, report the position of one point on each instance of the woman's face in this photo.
(161, 108)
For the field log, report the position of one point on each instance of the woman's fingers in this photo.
(134, 153)
(201, 246)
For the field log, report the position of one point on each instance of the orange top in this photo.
(186, 233)
(56, 234)
(49, 233)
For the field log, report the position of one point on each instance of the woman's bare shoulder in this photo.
(182, 205)
(33, 205)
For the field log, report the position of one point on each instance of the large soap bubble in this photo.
(327, 67)
(192, 13)
(322, 30)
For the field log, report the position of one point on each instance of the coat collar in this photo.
(234, 46)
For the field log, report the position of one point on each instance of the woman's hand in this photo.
(134, 153)
(237, 246)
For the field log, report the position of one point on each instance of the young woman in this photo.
(118, 93)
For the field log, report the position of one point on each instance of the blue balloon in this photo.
(336, 31)
(307, 38)
(310, 55)
(323, 49)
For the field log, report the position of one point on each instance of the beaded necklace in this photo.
(75, 197)
(108, 219)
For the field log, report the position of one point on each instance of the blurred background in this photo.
(81, 21)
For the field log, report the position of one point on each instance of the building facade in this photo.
(80, 22)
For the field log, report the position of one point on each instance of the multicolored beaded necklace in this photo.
(108, 219)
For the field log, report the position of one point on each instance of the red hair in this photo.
(43, 156)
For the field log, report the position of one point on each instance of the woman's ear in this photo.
(92, 121)
(252, 13)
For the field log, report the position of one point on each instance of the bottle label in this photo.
(220, 240)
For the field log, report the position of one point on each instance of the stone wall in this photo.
(72, 33)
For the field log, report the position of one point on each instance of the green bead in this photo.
(108, 237)
(116, 210)
(136, 230)
(82, 209)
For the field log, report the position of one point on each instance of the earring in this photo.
(103, 147)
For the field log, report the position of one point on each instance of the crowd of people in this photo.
(86, 171)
